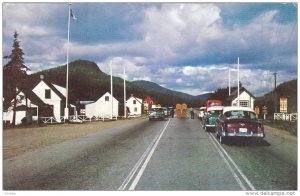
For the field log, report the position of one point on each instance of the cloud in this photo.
(28, 19)
(183, 46)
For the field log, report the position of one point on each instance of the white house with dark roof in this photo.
(42, 99)
(52, 94)
(28, 106)
(105, 107)
(246, 99)
(134, 105)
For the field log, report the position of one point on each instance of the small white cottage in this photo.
(105, 107)
(246, 99)
(134, 105)
(54, 95)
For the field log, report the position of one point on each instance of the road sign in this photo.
(265, 109)
(256, 109)
(283, 104)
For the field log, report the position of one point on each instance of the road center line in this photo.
(137, 165)
(139, 175)
(238, 180)
(234, 164)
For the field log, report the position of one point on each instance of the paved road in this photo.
(175, 154)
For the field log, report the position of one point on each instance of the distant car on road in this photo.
(238, 122)
(156, 113)
(201, 113)
(167, 111)
(210, 117)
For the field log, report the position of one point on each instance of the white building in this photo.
(54, 95)
(134, 105)
(105, 107)
(41, 99)
(246, 99)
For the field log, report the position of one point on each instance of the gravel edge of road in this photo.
(18, 141)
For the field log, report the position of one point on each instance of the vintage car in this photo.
(238, 122)
(210, 117)
(201, 113)
(156, 113)
(167, 111)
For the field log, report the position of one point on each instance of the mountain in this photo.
(287, 89)
(159, 89)
(87, 83)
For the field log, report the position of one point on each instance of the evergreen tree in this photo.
(14, 74)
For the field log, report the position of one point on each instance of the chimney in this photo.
(131, 95)
(42, 77)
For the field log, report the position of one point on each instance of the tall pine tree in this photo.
(14, 74)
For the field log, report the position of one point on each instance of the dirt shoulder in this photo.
(20, 140)
(280, 133)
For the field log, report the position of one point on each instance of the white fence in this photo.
(286, 117)
(76, 119)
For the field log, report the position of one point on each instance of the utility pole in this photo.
(274, 94)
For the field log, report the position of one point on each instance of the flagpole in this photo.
(67, 79)
(238, 77)
(229, 88)
(124, 94)
(111, 88)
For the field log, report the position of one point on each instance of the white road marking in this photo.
(139, 175)
(233, 163)
(144, 159)
(238, 180)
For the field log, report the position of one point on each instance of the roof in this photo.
(234, 108)
(148, 99)
(215, 108)
(33, 97)
(55, 89)
(234, 94)
(105, 94)
(137, 99)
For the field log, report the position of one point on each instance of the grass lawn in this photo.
(290, 127)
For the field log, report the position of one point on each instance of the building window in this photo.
(34, 111)
(47, 94)
(244, 103)
(134, 101)
(106, 98)
(135, 109)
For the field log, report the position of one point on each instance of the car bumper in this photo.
(208, 125)
(251, 134)
(156, 117)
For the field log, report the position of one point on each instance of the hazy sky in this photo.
(182, 46)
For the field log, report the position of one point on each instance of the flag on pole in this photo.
(73, 15)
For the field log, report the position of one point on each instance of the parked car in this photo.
(210, 103)
(167, 111)
(210, 117)
(201, 113)
(156, 113)
(238, 122)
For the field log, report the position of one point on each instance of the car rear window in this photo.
(216, 112)
(237, 114)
